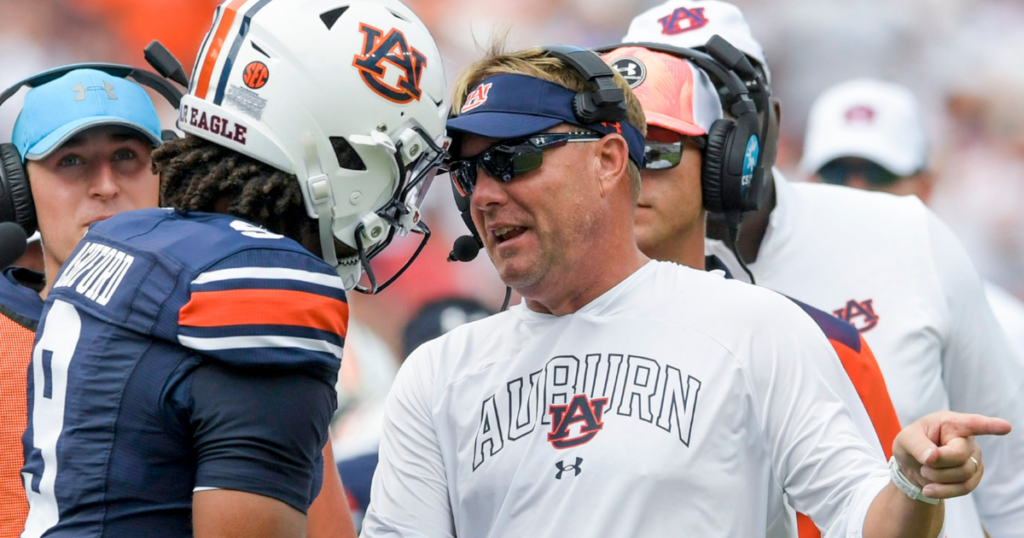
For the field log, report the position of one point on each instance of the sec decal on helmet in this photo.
(355, 108)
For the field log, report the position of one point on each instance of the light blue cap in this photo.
(82, 99)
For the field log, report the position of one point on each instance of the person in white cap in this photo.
(885, 264)
(868, 134)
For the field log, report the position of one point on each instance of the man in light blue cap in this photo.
(85, 140)
(83, 144)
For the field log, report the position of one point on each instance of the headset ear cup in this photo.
(712, 177)
(16, 204)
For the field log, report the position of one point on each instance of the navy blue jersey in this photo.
(179, 353)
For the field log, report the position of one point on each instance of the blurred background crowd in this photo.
(959, 57)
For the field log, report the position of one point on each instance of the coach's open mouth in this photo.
(505, 233)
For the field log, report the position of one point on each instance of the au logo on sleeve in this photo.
(381, 53)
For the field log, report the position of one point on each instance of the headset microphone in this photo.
(13, 243)
(465, 249)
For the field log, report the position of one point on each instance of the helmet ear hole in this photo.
(347, 156)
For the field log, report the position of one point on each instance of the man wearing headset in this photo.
(625, 396)
(681, 107)
(886, 265)
(86, 158)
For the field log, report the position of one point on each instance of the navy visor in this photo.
(514, 106)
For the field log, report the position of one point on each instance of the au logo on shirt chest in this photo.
(581, 410)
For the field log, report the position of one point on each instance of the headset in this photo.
(733, 174)
(602, 101)
(16, 204)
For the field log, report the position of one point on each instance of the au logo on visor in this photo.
(631, 69)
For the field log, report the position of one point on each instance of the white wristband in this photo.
(905, 485)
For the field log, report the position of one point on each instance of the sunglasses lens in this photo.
(463, 173)
(527, 158)
(841, 171)
(662, 155)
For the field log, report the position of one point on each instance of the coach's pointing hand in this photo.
(939, 453)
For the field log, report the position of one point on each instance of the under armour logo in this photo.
(632, 70)
(81, 89)
(575, 468)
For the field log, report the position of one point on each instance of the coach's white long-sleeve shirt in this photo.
(677, 403)
(890, 267)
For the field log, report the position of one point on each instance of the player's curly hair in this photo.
(536, 63)
(198, 175)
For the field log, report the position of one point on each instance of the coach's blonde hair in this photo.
(535, 63)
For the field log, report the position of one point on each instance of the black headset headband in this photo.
(143, 77)
(155, 53)
(605, 102)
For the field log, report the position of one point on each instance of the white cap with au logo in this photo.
(870, 119)
(690, 24)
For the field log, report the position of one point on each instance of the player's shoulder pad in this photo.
(834, 328)
(193, 239)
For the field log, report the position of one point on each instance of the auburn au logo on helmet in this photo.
(395, 50)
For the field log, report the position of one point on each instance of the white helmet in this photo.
(298, 84)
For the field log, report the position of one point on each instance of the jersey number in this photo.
(50, 361)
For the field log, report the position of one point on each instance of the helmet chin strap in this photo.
(320, 194)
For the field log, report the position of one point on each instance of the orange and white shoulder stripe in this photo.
(264, 307)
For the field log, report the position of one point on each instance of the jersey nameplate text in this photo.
(96, 272)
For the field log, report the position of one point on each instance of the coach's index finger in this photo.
(953, 425)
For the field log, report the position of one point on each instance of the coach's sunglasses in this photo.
(663, 149)
(840, 171)
(509, 158)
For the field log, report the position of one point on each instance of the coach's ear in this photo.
(611, 164)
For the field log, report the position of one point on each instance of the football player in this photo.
(625, 396)
(885, 264)
(183, 375)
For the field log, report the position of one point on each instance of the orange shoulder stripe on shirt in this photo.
(213, 52)
(867, 379)
(265, 307)
(863, 370)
